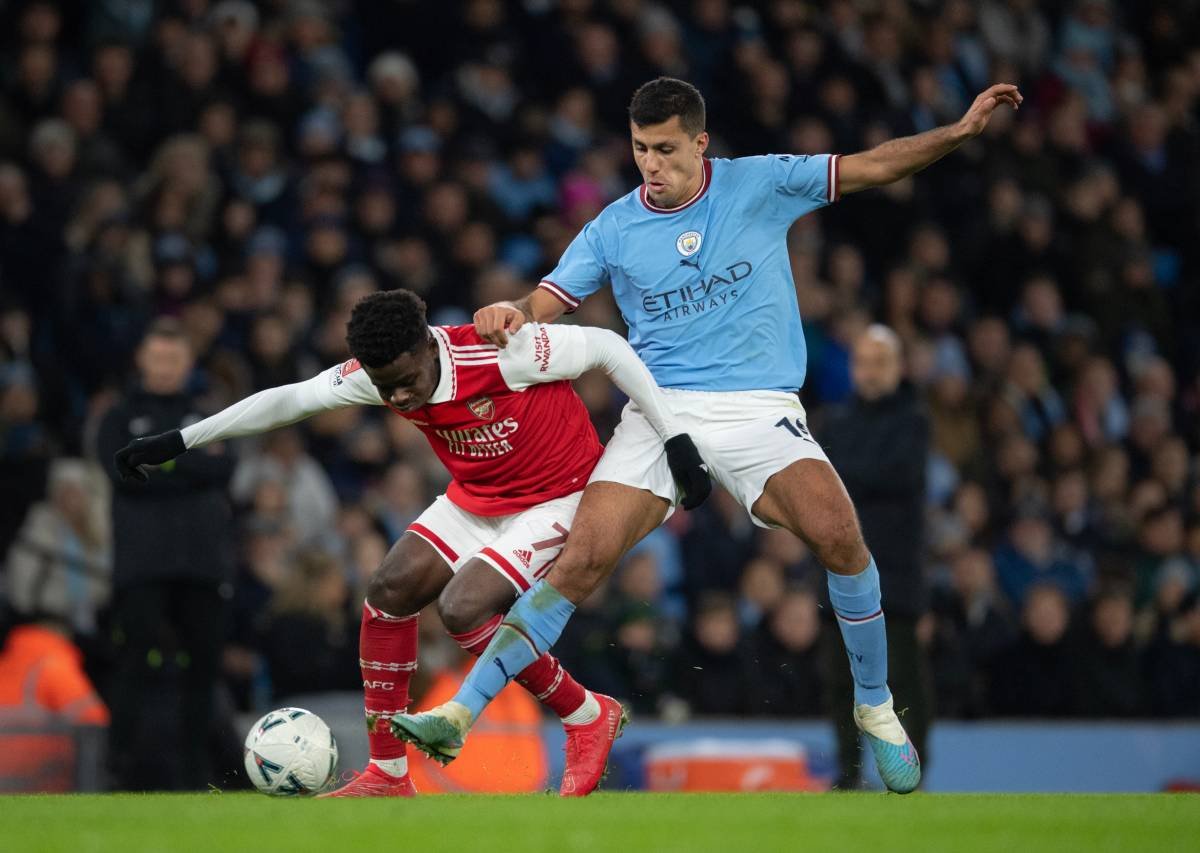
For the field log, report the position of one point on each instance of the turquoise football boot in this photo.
(895, 756)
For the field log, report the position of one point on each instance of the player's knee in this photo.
(582, 567)
(461, 611)
(388, 591)
(841, 548)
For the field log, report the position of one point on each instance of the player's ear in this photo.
(702, 142)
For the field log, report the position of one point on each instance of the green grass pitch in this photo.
(625, 822)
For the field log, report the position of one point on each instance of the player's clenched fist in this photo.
(149, 450)
(688, 469)
(495, 323)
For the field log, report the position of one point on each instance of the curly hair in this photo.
(385, 325)
(658, 100)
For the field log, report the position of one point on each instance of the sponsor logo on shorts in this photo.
(523, 556)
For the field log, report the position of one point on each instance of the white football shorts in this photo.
(744, 436)
(522, 547)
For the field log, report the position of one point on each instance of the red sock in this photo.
(545, 678)
(387, 655)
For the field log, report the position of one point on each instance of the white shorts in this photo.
(744, 436)
(522, 547)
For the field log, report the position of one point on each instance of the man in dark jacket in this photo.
(878, 442)
(171, 556)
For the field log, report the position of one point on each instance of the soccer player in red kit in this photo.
(519, 445)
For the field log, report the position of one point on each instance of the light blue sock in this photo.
(532, 626)
(856, 603)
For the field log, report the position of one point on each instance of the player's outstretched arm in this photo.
(494, 323)
(545, 353)
(907, 155)
(267, 410)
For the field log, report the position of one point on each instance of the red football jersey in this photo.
(507, 450)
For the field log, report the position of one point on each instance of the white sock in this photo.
(586, 713)
(392, 766)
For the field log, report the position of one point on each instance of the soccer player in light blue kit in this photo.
(698, 263)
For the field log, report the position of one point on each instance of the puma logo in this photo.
(500, 663)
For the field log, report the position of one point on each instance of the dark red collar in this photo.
(704, 184)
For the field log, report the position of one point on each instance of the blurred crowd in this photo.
(251, 169)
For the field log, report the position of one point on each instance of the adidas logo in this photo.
(524, 557)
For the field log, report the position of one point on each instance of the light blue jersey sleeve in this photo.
(802, 183)
(581, 270)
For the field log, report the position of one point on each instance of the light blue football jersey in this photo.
(706, 289)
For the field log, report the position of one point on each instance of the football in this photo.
(290, 752)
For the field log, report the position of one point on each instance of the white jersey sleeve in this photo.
(344, 385)
(540, 352)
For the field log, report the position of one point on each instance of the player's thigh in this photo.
(423, 560)
(611, 519)
(759, 448)
(635, 457)
(524, 547)
(808, 498)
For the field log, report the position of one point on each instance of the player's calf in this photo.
(591, 722)
(472, 608)
(410, 576)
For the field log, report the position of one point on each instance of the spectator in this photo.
(711, 672)
(1108, 669)
(1031, 554)
(311, 502)
(641, 656)
(1033, 677)
(43, 686)
(1160, 541)
(974, 624)
(1029, 392)
(309, 634)
(61, 561)
(878, 443)
(1174, 662)
(170, 561)
(762, 589)
(786, 681)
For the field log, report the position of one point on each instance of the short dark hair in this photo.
(385, 325)
(658, 100)
(167, 328)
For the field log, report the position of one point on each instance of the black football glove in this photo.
(688, 469)
(133, 459)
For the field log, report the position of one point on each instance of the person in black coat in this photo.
(1035, 676)
(309, 634)
(1173, 662)
(787, 669)
(1108, 664)
(974, 623)
(171, 556)
(878, 442)
(712, 670)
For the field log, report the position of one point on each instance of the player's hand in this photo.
(494, 323)
(976, 118)
(133, 460)
(688, 469)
